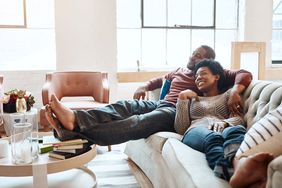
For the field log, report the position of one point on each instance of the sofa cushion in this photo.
(147, 154)
(189, 167)
(274, 173)
(158, 139)
(264, 133)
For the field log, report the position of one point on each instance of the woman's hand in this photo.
(188, 94)
(218, 126)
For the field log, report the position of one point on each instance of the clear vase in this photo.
(21, 105)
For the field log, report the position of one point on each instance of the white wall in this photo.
(258, 24)
(86, 37)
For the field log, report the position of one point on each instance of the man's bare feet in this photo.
(63, 114)
(251, 171)
(52, 120)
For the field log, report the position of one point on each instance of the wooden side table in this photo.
(11, 118)
(45, 165)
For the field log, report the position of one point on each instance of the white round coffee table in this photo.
(44, 165)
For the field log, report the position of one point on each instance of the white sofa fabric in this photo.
(167, 162)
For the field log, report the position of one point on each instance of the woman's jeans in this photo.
(122, 121)
(219, 147)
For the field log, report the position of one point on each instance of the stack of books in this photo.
(65, 149)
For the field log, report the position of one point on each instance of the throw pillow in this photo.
(164, 89)
(264, 136)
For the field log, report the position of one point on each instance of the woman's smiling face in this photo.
(206, 80)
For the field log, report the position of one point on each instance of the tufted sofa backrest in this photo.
(260, 98)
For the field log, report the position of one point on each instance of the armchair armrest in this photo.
(106, 88)
(48, 89)
(274, 173)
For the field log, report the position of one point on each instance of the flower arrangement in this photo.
(10, 99)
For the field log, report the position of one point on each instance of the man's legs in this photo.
(115, 111)
(115, 123)
(131, 128)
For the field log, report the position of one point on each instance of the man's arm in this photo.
(240, 80)
(155, 83)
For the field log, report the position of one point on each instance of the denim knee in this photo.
(212, 140)
(234, 135)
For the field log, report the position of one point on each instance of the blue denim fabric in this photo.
(219, 147)
(122, 121)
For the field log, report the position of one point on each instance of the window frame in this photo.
(178, 26)
(230, 33)
(23, 16)
(276, 63)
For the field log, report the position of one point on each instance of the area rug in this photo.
(112, 170)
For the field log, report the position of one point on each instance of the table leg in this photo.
(40, 179)
(92, 174)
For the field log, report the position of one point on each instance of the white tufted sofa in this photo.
(169, 163)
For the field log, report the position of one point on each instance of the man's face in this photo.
(197, 56)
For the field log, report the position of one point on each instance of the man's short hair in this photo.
(210, 54)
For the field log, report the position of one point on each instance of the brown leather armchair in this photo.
(76, 90)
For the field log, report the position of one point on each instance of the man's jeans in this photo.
(219, 147)
(122, 121)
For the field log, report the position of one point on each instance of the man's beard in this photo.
(191, 65)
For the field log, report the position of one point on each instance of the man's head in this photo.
(203, 52)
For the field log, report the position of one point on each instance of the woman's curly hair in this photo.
(215, 68)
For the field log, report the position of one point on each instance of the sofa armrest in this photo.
(274, 173)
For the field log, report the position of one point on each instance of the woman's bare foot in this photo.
(52, 120)
(63, 114)
(251, 171)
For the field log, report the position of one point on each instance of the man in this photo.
(135, 119)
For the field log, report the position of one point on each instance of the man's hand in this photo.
(188, 94)
(218, 126)
(235, 103)
(140, 93)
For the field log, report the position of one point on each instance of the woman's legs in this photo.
(233, 136)
(220, 148)
(206, 141)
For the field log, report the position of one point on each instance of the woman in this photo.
(210, 127)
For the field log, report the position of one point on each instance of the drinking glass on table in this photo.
(27, 118)
(21, 143)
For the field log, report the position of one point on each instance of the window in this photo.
(161, 34)
(31, 47)
(277, 32)
(13, 13)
